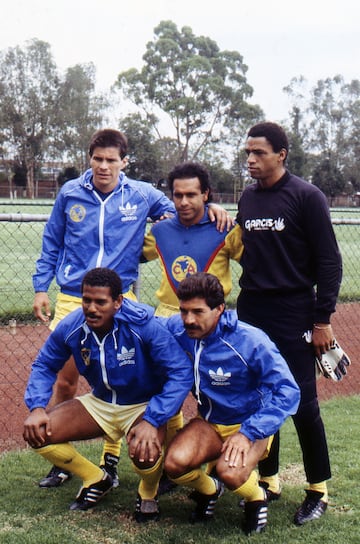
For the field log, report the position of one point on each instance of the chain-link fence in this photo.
(21, 336)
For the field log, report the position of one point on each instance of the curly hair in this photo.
(274, 134)
(188, 170)
(103, 277)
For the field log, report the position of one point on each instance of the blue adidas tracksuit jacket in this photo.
(137, 361)
(86, 231)
(239, 376)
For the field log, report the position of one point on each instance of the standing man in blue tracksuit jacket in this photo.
(244, 390)
(289, 286)
(98, 219)
(139, 377)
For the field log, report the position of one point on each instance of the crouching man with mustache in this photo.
(139, 377)
(244, 390)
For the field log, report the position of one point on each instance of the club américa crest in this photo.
(182, 267)
(86, 356)
(77, 213)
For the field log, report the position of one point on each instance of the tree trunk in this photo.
(30, 180)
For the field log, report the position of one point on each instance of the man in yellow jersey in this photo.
(189, 242)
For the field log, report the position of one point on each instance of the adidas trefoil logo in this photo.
(126, 356)
(128, 212)
(220, 377)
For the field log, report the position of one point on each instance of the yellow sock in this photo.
(173, 426)
(65, 456)
(209, 466)
(250, 490)
(150, 478)
(273, 482)
(321, 487)
(113, 448)
(197, 479)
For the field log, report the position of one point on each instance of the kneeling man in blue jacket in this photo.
(244, 390)
(139, 378)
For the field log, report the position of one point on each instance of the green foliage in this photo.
(328, 121)
(70, 172)
(43, 115)
(79, 113)
(19, 177)
(189, 88)
(27, 103)
(296, 160)
(189, 79)
(222, 180)
(144, 162)
(30, 515)
(328, 178)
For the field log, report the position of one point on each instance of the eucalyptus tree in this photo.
(189, 81)
(330, 120)
(28, 90)
(80, 112)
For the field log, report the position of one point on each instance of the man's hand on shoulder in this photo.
(221, 216)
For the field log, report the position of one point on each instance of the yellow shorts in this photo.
(64, 305)
(115, 420)
(227, 430)
(165, 310)
(68, 303)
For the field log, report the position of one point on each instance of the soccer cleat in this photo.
(312, 508)
(166, 485)
(110, 465)
(146, 510)
(57, 476)
(88, 497)
(255, 517)
(205, 506)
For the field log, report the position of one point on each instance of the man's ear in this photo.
(125, 162)
(206, 195)
(221, 308)
(118, 302)
(283, 154)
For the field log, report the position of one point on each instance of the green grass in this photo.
(20, 245)
(30, 515)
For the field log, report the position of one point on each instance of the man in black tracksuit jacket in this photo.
(290, 282)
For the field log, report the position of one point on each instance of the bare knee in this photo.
(176, 462)
(233, 477)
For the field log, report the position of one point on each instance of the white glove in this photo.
(333, 363)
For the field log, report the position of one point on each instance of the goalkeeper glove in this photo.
(333, 363)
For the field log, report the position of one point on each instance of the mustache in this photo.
(191, 327)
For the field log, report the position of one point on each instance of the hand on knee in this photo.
(144, 465)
